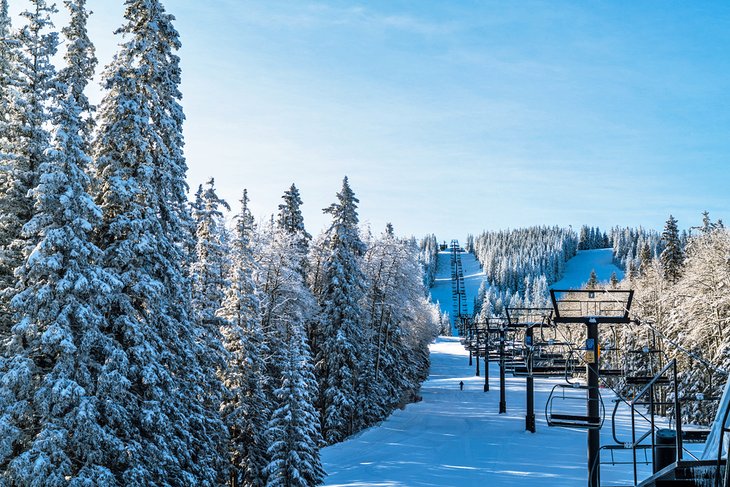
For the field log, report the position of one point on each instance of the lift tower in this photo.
(590, 307)
(527, 319)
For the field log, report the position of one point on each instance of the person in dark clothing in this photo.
(461, 385)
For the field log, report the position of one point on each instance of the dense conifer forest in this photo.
(144, 340)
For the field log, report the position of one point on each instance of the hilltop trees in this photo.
(521, 263)
(672, 258)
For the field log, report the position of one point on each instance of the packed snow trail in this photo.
(458, 438)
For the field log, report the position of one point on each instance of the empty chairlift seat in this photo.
(567, 405)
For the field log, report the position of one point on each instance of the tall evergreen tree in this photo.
(28, 70)
(592, 280)
(645, 259)
(339, 336)
(55, 431)
(174, 436)
(290, 216)
(245, 408)
(8, 225)
(80, 65)
(210, 266)
(672, 258)
(294, 425)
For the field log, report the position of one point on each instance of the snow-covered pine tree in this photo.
(80, 65)
(294, 426)
(53, 423)
(30, 76)
(339, 331)
(245, 408)
(8, 226)
(614, 280)
(209, 280)
(291, 220)
(428, 256)
(645, 258)
(285, 297)
(583, 238)
(592, 280)
(672, 258)
(210, 266)
(174, 437)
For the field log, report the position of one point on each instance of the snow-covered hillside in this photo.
(578, 269)
(473, 277)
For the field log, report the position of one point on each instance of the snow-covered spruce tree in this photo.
(210, 266)
(245, 408)
(339, 335)
(80, 65)
(672, 258)
(284, 294)
(288, 306)
(57, 399)
(8, 228)
(291, 220)
(294, 426)
(30, 76)
(173, 435)
(592, 280)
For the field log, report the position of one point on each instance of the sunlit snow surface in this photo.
(578, 269)
(458, 438)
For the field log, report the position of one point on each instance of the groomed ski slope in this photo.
(578, 269)
(473, 277)
(458, 438)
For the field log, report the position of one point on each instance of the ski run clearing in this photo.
(458, 438)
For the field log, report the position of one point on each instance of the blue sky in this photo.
(453, 117)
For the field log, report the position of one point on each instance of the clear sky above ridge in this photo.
(453, 117)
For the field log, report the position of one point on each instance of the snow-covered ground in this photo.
(458, 438)
(578, 269)
(473, 277)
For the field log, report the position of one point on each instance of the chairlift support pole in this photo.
(527, 319)
(530, 389)
(476, 332)
(594, 435)
(502, 395)
(591, 312)
(470, 335)
(486, 357)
